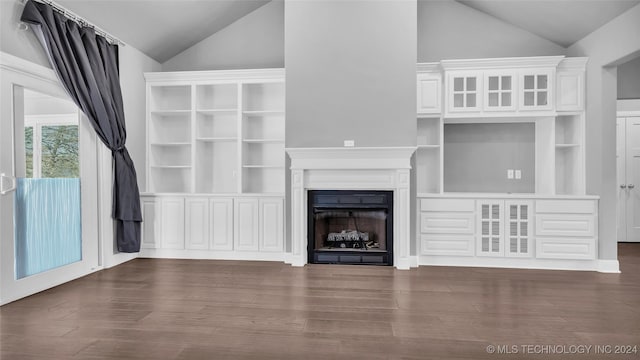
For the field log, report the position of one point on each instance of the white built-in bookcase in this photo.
(546, 91)
(216, 132)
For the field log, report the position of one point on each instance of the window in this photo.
(51, 146)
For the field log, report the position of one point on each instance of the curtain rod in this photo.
(78, 19)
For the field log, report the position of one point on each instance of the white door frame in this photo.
(625, 202)
(15, 71)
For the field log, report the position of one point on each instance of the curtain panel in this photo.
(87, 65)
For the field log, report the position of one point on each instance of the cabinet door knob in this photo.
(623, 186)
(631, 186)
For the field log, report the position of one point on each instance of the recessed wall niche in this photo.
(477, 157)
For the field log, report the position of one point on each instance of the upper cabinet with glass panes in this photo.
(500, 87)
(536, 90)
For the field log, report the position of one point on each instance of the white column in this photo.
(298, 219)
(401, 221)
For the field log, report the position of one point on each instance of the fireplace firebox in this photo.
(350, 227)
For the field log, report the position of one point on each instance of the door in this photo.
(621, 159)
(48, 221)
(632, 172)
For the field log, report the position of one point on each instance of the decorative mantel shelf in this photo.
(357, 168)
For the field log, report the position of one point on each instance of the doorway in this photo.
(48, 186)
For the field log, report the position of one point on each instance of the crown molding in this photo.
(214, 75)
(502, 63)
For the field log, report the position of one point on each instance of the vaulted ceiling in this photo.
(164, 28)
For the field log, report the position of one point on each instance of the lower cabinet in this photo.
(566, 229)
(505, 228)
(223, 224)
(496, 228)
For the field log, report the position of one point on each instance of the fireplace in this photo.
(350, 227)
(352, 169)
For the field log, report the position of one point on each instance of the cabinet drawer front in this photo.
(450, 205)
(447, 223)
(565, 225)
(566, 206)
(439, 244)
(565, 248)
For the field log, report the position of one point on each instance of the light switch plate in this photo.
(510, 174)
(518, 174)
(349, 143)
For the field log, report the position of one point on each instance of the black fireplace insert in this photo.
(350, 227)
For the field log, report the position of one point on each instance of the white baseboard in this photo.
(607, 266)
(119, 258)
(211, 255)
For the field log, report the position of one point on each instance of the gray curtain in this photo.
(87, 65)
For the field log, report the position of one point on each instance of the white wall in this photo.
(611, 45)
(351, 68)
(450, 30)
(629, 80)
(255, 41)
(14, 41)
(133, 64)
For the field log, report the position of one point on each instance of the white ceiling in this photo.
(164, 28)
(562, 21)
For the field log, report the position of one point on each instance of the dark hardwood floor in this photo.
(200, 309)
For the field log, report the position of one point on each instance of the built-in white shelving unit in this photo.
(550, 226)
(215, 157)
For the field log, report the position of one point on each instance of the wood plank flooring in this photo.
(201, 309)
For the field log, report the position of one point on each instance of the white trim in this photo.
(27, 68)
(367, 168)
(604, 266)
(211, 255)
(188, 77)
(502, 63)
(573, 63)
(609, 266)
(633, 113)
(428, 67)
(351, 158)
(458, 195)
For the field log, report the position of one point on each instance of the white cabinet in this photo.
(214, 227)
(518, 230)
(502, 87)
(246, 228)
(505, 228)
(570, 84)
(536, 89)
(172, 223)
(463, 92)
(271, 225)
(197, 223)
(500, 90)
(429, 89)
(490, 236)
(221, 220)
(566, 229)
(447, 227)
(150, 226)
(215, 158)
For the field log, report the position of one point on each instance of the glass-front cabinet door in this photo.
(499, 94)
(536, 90)
(464, 91)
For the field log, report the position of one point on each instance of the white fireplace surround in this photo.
(356, 168)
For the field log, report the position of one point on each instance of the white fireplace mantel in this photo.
(356, 168)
